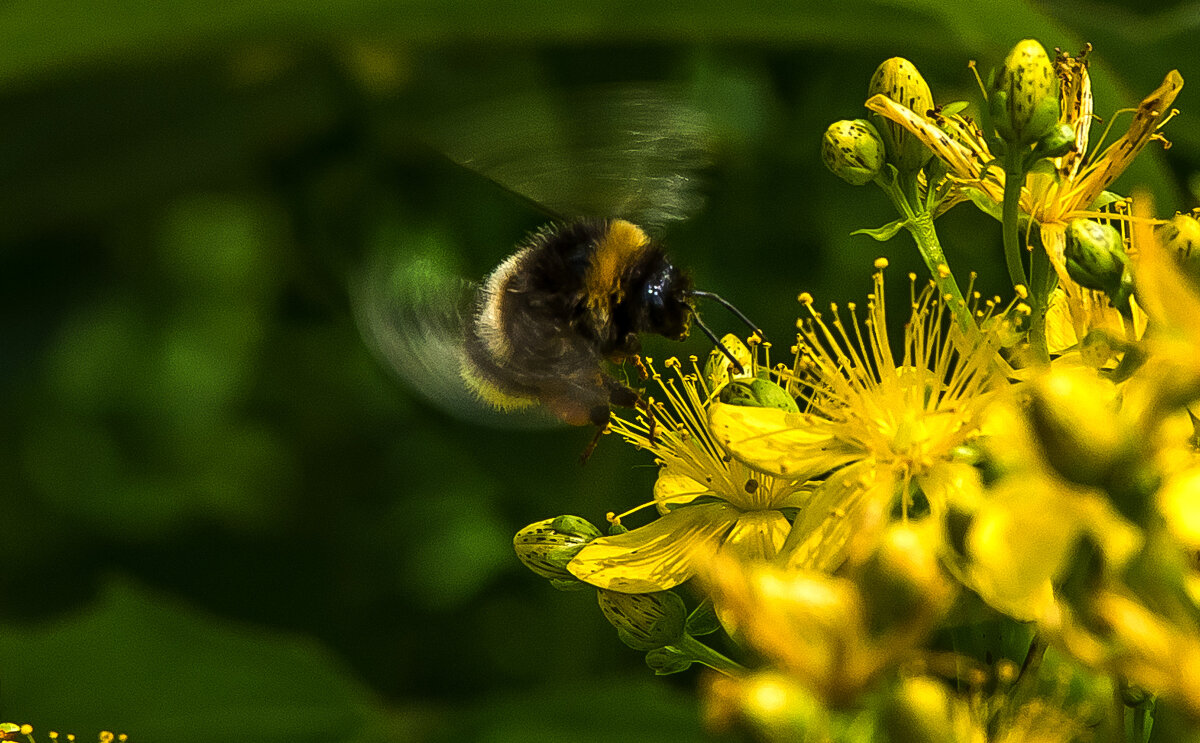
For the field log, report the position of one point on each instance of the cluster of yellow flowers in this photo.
(990, 533)
(13, 731)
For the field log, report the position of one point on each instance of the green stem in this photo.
(1025, 687)
(1014, 179)
(920, 226)
(1139, 723)
(919, 223)
(1043, 280)
(702, 653)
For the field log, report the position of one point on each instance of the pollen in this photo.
(881, 263)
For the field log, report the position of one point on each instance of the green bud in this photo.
(1083, 442)
(644, 621)
(776, 707)
(853, 150)
(1057, 142)
(1081, 578)
(919, 710)
(1095, 255)
(1133, 695)
(718, 370)
(899, 79)
(667, 660)
(902, 581)
(1024, 98)
(757, 393)
(1181, 236)
(545, 547)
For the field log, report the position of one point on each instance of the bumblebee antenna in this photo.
(737, 365)
(736, 312)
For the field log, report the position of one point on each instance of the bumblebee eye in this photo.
(666, 308)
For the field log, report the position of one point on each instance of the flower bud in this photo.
(1024, 98)
(1181, 237)
(1074, 415)
(758, 393)
(644, 621)
(773, 705)
(853, 150)
(667, 660)
(899, 79)
(1095, 255)
(1057, 142)
(902, 580)
(545, 547)
(718, 370)
(920, 710)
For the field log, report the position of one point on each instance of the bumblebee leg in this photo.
(600, 415)
(647, 408)
(643, 372)
(622, 396)
(626, 397)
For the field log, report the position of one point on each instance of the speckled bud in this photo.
(899, 79)
(853, 150)
(1181, 236)
(644, 621)
(757, 393)
(1095, 255)
(718, 370)
(1024, 98)
(545, 547)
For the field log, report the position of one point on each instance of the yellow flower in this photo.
(874, 427)
(1169, 296)
(706, 500)
(1026, 528)
(835, 634)
(1054, 197)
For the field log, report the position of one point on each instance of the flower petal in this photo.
(658, 556)
(796, 446)
(849, 504)
(672, 489)
(758, 535)
(1119, 154)
(962, 162)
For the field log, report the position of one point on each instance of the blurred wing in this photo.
(411, 312)
(618, 151)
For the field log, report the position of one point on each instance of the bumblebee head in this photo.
(661, 298)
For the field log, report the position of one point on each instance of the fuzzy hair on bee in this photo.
(573, 296)
(530, 344)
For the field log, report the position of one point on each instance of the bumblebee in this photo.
(529, 344)
(574, 296)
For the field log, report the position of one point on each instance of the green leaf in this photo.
(954, 107)
(703, 620)
(884, 233)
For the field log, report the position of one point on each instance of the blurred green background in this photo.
(224, 518)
